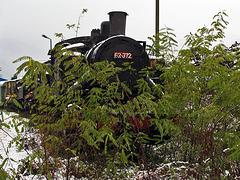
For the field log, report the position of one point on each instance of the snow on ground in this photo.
(173, 170)
(6, 136)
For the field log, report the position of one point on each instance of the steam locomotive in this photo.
(107, 43)
(110, 43)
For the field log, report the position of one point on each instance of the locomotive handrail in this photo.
(82, 39)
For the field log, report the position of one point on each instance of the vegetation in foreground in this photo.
(197, 105)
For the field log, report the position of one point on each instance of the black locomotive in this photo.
(110, 43)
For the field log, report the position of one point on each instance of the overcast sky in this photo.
(22, 22)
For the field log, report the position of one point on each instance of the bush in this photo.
(197, 105)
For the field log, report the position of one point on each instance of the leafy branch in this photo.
(74, 27)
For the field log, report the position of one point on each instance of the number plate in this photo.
(122, 55)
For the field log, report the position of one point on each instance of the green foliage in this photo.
(163, 45)
(59, 35)
(74, 27)
(203, 85)
(197, 105)
(74, 121)
(205, 98)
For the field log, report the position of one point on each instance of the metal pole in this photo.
(157, 18)
(157, 26)
(49, 39)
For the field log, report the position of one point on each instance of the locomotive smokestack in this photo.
(117, 22)
(105, 28)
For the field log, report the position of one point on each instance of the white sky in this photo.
(22, 22)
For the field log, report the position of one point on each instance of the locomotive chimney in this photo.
(117, 22)
(105, 28)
